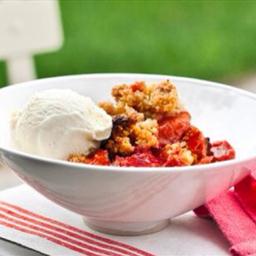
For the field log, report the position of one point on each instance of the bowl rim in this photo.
(82, 166)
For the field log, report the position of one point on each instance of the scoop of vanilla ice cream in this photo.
(56, 123)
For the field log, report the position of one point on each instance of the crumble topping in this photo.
(140, 105)
(151, 128)
(152, 100)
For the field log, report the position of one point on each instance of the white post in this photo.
(26, 28)
(20, 69)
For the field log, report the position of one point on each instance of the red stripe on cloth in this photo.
(66, 232)
(49, 238)
(60, 236)
(61, 224)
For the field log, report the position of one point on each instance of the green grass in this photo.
(205, 39)
(3, 75)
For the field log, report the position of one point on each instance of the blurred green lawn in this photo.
(205, 39)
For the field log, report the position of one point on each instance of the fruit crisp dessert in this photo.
(151, 128)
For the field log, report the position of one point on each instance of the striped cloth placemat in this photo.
(55, 237)
(29, 219)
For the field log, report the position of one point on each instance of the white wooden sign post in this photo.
(27, 27)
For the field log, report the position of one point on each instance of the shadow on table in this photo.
(200, 229)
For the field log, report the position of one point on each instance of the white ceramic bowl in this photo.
(138, 200)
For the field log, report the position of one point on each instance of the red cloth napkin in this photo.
(235, 213)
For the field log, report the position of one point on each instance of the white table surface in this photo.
(9, 179)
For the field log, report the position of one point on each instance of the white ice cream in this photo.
(56, 123)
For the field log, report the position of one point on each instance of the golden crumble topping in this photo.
(151, 100)
(120, 141)
(136, 108)
(77, 158)
(145, 133)
(180, 152)
(127, 133)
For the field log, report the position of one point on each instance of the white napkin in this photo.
(186, 235)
